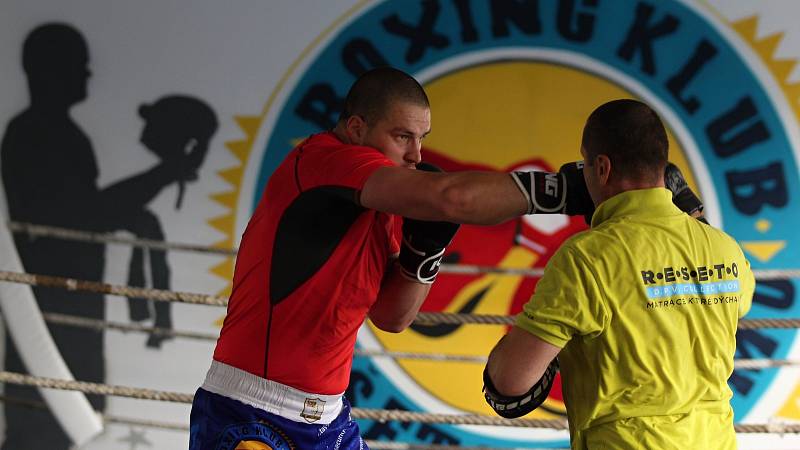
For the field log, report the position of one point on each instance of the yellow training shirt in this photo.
(645, 307)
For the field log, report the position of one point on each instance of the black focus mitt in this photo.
(682, 195)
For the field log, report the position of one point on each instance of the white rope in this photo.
(740, 364)
(36, 347)
(96, 324)
(442, 357)
(35, 230)
(467, 269)
(423, 318)
(380, 415)
(93, 388)
(182, 427)
(144, 423)
(106, 418)
(72, 284)
(754, 364)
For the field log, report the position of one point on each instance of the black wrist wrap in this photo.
(517, 406)
(420, 263)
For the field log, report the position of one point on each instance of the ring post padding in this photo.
(26, 326)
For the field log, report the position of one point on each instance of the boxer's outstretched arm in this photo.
(481, 198)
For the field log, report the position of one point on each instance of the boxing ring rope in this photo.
(100, 325)
(373, 444)
(25, 326)
(72, 284)
(106, 418)
(35, 230)
(380, 415)
(423, 318)
(434, 318)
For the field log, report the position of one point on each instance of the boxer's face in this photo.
(399, 133)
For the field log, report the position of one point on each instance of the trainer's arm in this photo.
(481, 198)
(518, 361)
(399, 300)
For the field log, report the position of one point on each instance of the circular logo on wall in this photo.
(510, 85)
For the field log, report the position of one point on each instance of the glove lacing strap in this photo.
(430, 264)
(526, 182)
(516, 177)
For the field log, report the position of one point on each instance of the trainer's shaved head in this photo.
(376, 90)
(631, 134)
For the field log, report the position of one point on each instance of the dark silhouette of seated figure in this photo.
(175, 127)
(50, 176)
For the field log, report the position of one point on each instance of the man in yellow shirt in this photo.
(641, 310)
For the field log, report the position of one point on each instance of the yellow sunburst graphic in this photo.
(765, 47)
(781, 69)
(226, 223)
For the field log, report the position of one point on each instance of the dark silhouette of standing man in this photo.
(50, 177)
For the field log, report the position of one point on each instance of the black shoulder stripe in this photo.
(308, 233)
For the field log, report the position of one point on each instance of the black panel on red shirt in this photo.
(308, 232)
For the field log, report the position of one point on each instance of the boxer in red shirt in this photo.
(321, 253)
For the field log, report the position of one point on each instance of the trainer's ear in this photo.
(356, 128)
(603, 169)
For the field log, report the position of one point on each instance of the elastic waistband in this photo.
(271, 396)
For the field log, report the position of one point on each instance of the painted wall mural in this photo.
(158, 122)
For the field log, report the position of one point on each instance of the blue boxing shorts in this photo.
(222, 423)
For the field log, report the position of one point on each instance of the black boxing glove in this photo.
(682, 195)
(424, 243)
(564, 192)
